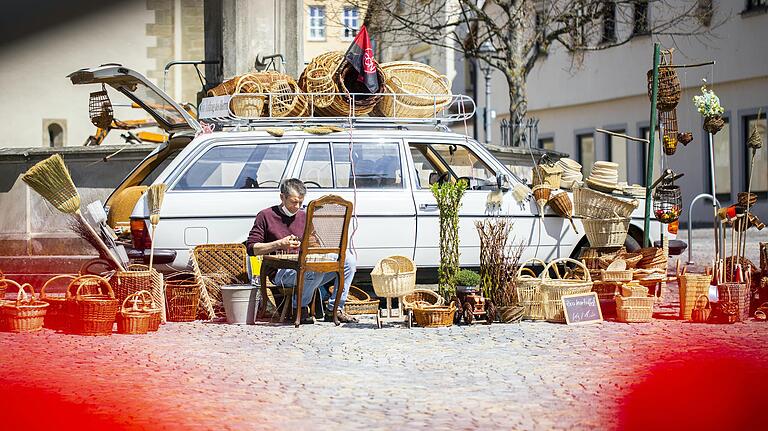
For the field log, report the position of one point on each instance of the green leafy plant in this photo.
(448, 196)
(466, 277)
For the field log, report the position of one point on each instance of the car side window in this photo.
(425, 170)
(316, 167)
(237, 167)
(376, 165)
(440, 162)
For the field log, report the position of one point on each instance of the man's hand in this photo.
(290, 241)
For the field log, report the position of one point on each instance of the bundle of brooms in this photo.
(51, 179)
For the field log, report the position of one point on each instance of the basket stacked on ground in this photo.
(528, 287)
(739, 294)
(554, 289)
(691, 286)
(434, 316)
(138, 278)
(91, 314)
(360, 302)
(135, 319)
(182, 294)
(25, 314)
(418, 90)
(421, 297)
(56, 317)
(394, 277)
(634, 309)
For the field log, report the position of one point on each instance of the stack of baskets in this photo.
(554, 289)
(418, 90)
(528, 288)
(605, 218)
(634, 309)
(138, 278)
(25, 314)
(260, 94)
(91, 314)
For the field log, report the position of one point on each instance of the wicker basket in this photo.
(26, 314)
(91, 314)
(3, 286)
(138, 278)
(528, 288)
(555, 288)
(434, 316)
(135, 319)
(547, 174)
(393, 277)
(634, 309)
(691, 286)
(669, 89)
(359, 302)
(739, 294)
(343, 104)
(616, 276)
(216, 265)
(594, 204)
(606, 232)
(411, 84)
(653, 258)
(56, 318)
(421, 297)
(605, 291)
(182, 295)
(634, 290)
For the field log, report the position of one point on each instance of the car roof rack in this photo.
(443, 109)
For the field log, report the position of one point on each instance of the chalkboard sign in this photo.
(582, 308)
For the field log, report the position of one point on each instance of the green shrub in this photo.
(466, 277)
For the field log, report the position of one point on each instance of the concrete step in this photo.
(36, 270)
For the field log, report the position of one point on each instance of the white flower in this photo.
(708, 104)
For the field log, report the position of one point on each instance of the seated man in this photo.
(280, 228)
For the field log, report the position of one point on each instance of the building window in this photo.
(609, 22)
(640, 18)
(645, 133)
(547, 143)
(351, 22)
(316, 23)
(760, 175)
(617, 147)
(722, 142)
(753, 5)
(586, 150)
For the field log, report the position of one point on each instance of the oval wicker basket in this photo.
(419, 91)
(434, 316)
(360, 302)
(91, 314)
(554, 289)
(594, 204)
(606, 232)
(421, 296)
(393, 277)
(528, 287)
(621, 276)
(25, 314)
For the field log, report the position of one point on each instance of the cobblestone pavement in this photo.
(661, 375)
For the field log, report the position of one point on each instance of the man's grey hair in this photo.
(292, 187)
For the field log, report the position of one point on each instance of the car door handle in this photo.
(427, 206)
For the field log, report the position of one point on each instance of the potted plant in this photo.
(467, 281)
(708, 105)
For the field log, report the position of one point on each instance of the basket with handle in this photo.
(56, 317)
(92, 314)
(416, 84)
(25, 314)
(182, 294)
(134, 319)
(421, 297)
(360, 302)
(593, 204)
(393, 277)
(344, 102)
(434, 316)
(740, 294)
(701, 309)
(528, 288)
(553, 289)
(690, 287)
(634, 309)
(247, 100)
(137, 278)
(610, 232)
(669, 89)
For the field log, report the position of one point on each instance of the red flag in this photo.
(360, 56)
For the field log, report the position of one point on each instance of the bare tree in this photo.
(522, 32)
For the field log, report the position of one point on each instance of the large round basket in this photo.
(393, 277)
(418, 90)
(606, 232)
(91, 314)
(353, 96)
(434, 316)
(26, 314)
(182, 293)
(528, 288)
(594, 204)
(634, 309)
(56, 317)
(421, 297)
(554, 289)
(360, 302)
(135, 319)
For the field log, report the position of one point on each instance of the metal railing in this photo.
(520, 132)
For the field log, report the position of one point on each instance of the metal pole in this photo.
(488, 107)
(649, 157)
(690, 224)
(713, 184)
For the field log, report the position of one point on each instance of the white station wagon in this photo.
(218, 182)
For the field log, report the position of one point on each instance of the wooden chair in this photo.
(323, 248)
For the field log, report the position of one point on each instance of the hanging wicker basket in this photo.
(25, 314)
(669, 89)
(714, 124)
(547, 174)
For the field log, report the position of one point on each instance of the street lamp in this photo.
(487, 49)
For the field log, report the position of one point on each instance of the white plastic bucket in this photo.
(240, 302)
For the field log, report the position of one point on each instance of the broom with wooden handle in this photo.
(50, 178)
(155, 195)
